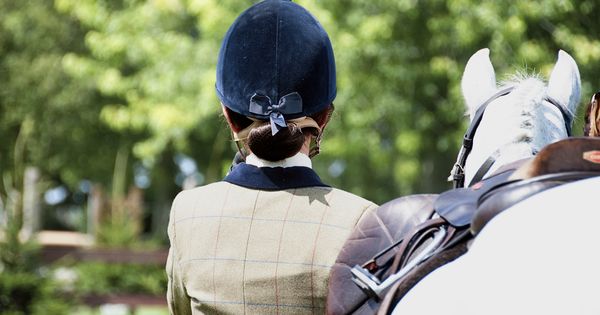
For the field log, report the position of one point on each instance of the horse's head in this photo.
(514, 121)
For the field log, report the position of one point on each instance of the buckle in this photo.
(467, 142)
(457, 173)
(374, 287)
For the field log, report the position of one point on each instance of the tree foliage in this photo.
(83, 78)
(47, 118)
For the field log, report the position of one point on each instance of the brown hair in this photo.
(287, 142)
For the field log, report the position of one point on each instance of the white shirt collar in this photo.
(300, 159)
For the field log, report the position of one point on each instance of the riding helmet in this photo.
(276, 60)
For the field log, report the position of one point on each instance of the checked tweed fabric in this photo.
(236, 250)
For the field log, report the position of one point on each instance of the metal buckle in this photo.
(373, 287)
(457, 172)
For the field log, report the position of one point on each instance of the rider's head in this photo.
(276, 78)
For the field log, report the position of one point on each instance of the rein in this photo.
(457, 174)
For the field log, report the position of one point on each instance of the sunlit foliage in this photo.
(141, 74)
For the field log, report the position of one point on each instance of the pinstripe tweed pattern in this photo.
(236, 250)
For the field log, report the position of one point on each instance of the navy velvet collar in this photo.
(273, 178)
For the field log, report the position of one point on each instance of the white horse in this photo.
(541, 255)
(521, 123)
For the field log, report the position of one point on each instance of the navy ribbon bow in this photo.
(288, 104)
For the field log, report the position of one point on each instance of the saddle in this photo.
(563, 161)
(436, 229)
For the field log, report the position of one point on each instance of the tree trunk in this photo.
(31, 202)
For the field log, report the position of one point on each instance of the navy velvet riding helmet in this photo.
(276, 62)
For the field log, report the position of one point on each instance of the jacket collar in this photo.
(273, 178)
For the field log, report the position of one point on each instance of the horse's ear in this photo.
(479, 80)
(565, 84)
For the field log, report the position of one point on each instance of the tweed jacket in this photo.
(262, 241)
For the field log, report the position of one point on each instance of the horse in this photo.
(538, 256)
(517, 119)
(509, 125)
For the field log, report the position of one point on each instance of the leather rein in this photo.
(457, 175)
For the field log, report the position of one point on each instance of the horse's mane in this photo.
(520, 76)
(527, 96)
(523, 78)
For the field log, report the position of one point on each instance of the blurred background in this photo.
(108, 110)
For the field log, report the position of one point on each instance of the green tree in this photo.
(400, 64)
(121, 73)
(47, 119)
(157, 65)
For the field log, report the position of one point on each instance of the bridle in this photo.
(457, 175)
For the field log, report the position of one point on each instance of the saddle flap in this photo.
(458, 206)
(376, 231)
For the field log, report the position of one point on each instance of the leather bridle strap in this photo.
(485, 167)
(457, 175)
(567, 115)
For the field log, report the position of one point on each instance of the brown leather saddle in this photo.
(405, 239)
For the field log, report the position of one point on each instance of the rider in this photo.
(592, 117)
(264, 239)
